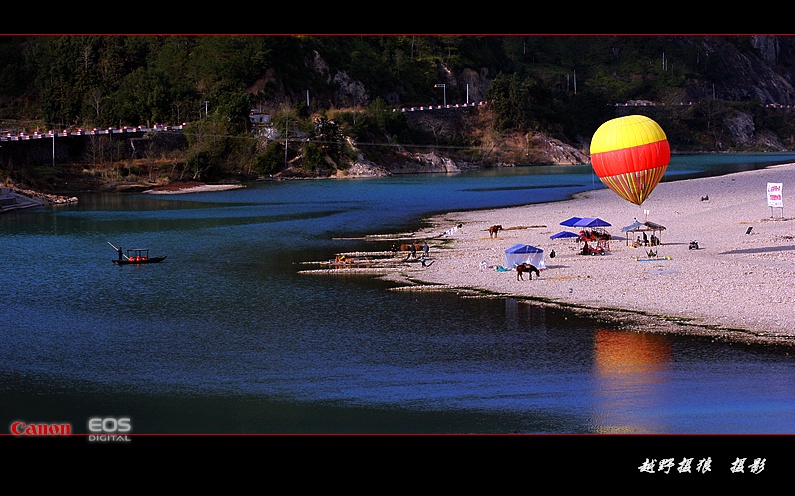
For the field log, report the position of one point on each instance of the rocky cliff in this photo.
(756, 70)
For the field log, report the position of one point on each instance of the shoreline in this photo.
(178, 188)
(736, 287)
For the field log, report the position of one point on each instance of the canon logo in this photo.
(20, 428)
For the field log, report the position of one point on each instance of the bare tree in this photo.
(85, 57)
(96, 97)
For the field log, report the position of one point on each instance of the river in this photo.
(226, 337)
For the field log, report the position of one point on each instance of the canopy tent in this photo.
(644, 227)
(591, 222)
(564, 234)
(635, 226)
(521, 253)
(570, 221)
(593, 229)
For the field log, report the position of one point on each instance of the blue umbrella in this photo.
(564, 234)
(570, 222)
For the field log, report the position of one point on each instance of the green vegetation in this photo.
(326, 93)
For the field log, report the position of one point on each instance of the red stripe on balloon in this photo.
(633, 159)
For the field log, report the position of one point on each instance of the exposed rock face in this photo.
(747, 76)
(741, 127)
(363, 168)
(473, 83)
(768, 47)
(560, 153)
(743, 132)
(425, 162)
(418, 163)
(350, 91)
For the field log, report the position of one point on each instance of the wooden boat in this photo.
(138, 256)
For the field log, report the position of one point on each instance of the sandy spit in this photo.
(736, 287)
(194, 189)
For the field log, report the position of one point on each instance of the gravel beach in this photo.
(737, 286)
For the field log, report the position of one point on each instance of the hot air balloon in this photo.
(630, 155)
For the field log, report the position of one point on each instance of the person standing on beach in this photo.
(425, 248)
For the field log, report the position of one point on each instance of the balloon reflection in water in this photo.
(630, 374)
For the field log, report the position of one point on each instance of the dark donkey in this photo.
(529, 268)
(493, 230)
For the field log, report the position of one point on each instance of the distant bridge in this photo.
(439, 107)
(83, 132)
(39, 148)
(647, 103)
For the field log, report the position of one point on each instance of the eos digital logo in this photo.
(109, 429)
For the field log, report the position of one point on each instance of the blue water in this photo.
(226, 336)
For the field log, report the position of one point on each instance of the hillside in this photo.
(335, 103)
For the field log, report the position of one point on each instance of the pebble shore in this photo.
(736, 287)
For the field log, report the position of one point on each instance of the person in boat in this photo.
(121, 253)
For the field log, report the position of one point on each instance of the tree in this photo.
(712, 113)
(327, 134)
(509, 97)
(269, 160)
(208, 146)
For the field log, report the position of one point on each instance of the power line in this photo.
(327, 142)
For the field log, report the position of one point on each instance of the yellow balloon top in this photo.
(626, 132)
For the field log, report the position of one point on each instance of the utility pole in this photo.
(285, 141)
(444, 92)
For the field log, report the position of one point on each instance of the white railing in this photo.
(86, 132)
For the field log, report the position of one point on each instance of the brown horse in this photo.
(529, 268)
(411, 247)
(493, 230)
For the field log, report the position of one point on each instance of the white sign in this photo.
(774, 197)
